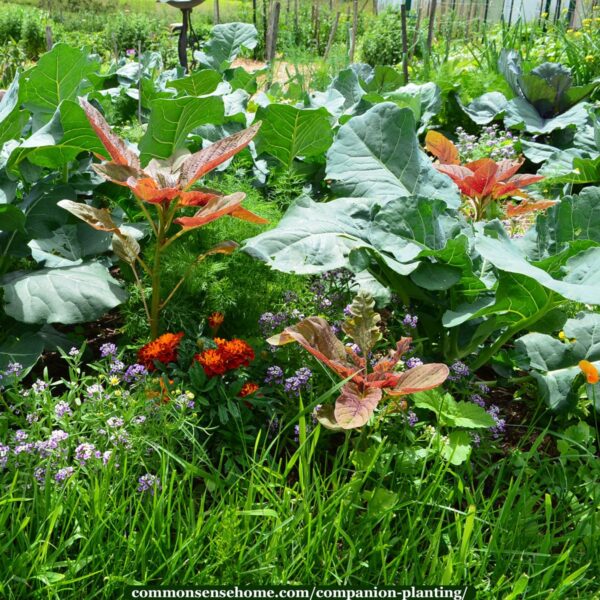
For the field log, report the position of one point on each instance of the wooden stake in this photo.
(431, 25)
(217, 15)
(332, 33)
(49, 43)
(404, 42)
(273, 32)
(354, 29)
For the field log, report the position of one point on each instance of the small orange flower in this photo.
(216, 320)
(590, 371)
(212, 361)
(163, 349)
(248, 388)
(227, 356)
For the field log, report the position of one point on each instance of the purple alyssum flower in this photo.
(20, 435)
(115, 422)
(62, 409)
(410, 321)
(108, 349)
(298, 381)
(458, 370)
(84, 452)
(274, 375)
(148, 483)
(477, 399)
(63, 474)
(413, 362)
(4, 453)
(412, 418)
(134, 373)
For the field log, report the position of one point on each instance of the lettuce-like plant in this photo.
(366, 384)
(166, 186)
(485, 182)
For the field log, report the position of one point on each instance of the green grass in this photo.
(358, 518)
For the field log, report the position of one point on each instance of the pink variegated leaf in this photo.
(116, 147)
(325, 415)
(203, 161)
(355, 406)
(419, 379)
(98, 218)
(314, 334)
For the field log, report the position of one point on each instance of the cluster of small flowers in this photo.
(274, 375)
(271, 322)
(185, 400)
(492, 143)
(148, 483)
(331, 288)
(43, 448)
(410, 321)
(300, 380)
(413, 362)
(500, 426)
(12, 373)
(412, 418)
(458, 370)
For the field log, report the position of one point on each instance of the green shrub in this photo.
(33, 37)
(382, 42)
(25, 28)
(126, 31)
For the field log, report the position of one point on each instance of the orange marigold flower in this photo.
(248, 388)
(216, 320)
(212, 361)
(163, 349)
(590, 371)
(237, 353)
(228, 355)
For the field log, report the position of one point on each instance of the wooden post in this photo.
(273, 32)
(332, 33)
(431, 25)
(254, 11)
(317, 25)
(354, 29)
(404, 42)
(375, 7)
(182, 45)
(140, 82)
(49, 43)
(217, 15)
(415, 34)
(265, 26)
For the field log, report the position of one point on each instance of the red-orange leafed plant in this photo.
(165, 185)
(366, 386)
(485, 182)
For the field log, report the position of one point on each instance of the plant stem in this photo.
(155, 303)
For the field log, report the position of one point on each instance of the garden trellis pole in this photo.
(354, 29)
(404, 42)
(273, 32)
(217, 16)
(432, 8)
(332, 34)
